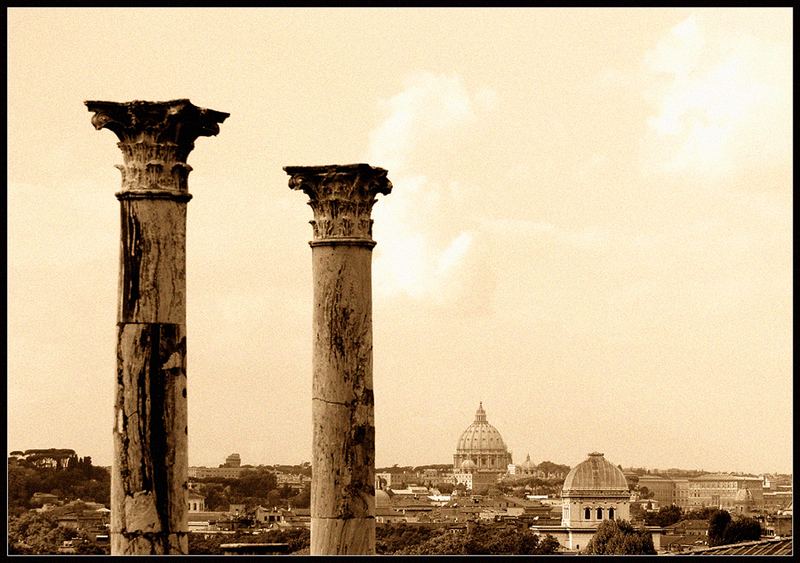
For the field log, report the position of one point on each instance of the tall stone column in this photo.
(149, 474)
(343, 458)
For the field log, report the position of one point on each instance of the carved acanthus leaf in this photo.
(341, 196)
(156, 139)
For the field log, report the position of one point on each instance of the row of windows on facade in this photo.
(587, 513)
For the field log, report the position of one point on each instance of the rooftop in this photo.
(778, 546)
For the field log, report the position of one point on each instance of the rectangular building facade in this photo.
(720, 491)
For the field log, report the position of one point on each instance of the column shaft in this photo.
(150, 466)
(149, 472)
(343, 480)
(343, 457)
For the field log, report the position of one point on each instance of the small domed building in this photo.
(527, 468)
(743, 502)
(593, 491)
(468, 465)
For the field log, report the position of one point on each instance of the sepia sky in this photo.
(590, 229)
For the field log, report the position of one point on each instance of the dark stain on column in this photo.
(131, 260)
(342, 488)
(148, 505)
(159, 427)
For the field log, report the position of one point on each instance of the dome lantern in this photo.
(480, 414)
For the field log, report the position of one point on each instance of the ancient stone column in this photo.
(343, 457)
(149, 489)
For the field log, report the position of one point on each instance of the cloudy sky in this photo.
(590, 229)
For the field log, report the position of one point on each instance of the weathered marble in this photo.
(150, 469)
(343, 458)
(149, 472)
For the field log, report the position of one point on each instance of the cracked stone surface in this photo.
(343, 457)
(149, 473)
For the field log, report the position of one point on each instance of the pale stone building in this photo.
(197, 502)
(593, 491)
(482, 443)
(525, 469)
(720, 490)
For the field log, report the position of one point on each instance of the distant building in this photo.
(215, 472)
(593, 491)
(481, 455)
(233, 460)
(42, 499)
(777, 500)
(197, 502)
(661, 488)
(681, 494)
(271, 516)
(296, 482)
(232, 469)
(710, 490)
(720, 491)
(685, 534)
(82, 515)
(525, 469)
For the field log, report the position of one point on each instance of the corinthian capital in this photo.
(156, 139)
(341, 196)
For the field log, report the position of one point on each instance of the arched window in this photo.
(587, 513)
(599, 513)
(611, 513)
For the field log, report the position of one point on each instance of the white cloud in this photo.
(716, 96)
(429, 104)
(416, 256)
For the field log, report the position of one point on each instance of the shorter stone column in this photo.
(343, 457)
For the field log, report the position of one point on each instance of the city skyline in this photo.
(590, 229)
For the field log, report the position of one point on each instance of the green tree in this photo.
(254, 483)
(390, 538)
(717, 523)
(638, 514)
(36, 533)
(723, 529)
(273, 499)
(303, 498)
(80, 479)
(703, 513)
(445, 488)
(742, 529)
(666, 516)
(482, 539)
(619, 537)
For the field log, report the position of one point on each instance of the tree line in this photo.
(254, 487)
(79, 480)
(477, 539)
